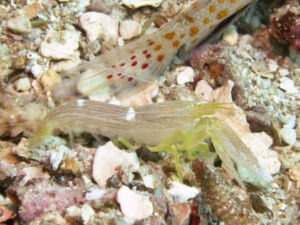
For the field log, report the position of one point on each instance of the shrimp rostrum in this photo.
(179, 127)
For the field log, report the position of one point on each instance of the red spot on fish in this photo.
(160, 58)
(109, 76)
(122, 64)
(150, 42)
(148, 56)
(145, 51)
(145, 66)
(194, 31)
(134, 63)
(170, 35)
(130, 79)
(190, 19)
(119, 74)
(157, 47)
(176, 44)
(133, 57)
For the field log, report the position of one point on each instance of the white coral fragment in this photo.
(133, 205)
(140, 3)
(61, 45)
(204, 91)
(222, 94)
(57, 157)
(144, 97)
(185, 74)
(20, 24)
(288, 135)
(87, 213)
(99, 25)
(231, 35)
(23, 84)
(182, 192)
(34, 173)
(95, 193)
(130, 29)
(108, 160)
(259, 144)
(288, 85)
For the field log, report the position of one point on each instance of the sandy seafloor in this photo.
(87, 180)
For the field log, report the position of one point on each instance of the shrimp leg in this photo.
(126, 143)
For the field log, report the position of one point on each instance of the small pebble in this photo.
(288, 135)
(23, 84)
(60, 45)
(182, 192)
(109, 160)
(294, 174)
(283, 72)
(148, 181)
(272, 65)
(99, 25)
(231, 35)
(56, 157)
(259, 144)
(182, 212)
(86, 213)
(20, 24)
(37, 70)
(133, 205)
(121, 42)
(288, 86)
(32, 10)
(185, 74)
(95, 193)
(204, 91)
(140, 3)
(130, 29)
(49, 79)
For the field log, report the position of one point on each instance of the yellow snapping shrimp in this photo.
(179, 127)
(144, 59)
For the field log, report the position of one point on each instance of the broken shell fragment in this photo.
(182, 192)
(130, 29)
(60, 45)
(6, 213)
(99, 25)
(20, 24)
(108, 160)
(133, 205)
(133, 4)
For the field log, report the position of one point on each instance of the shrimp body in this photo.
(147, 125)
(179, 127)
(144, 59)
